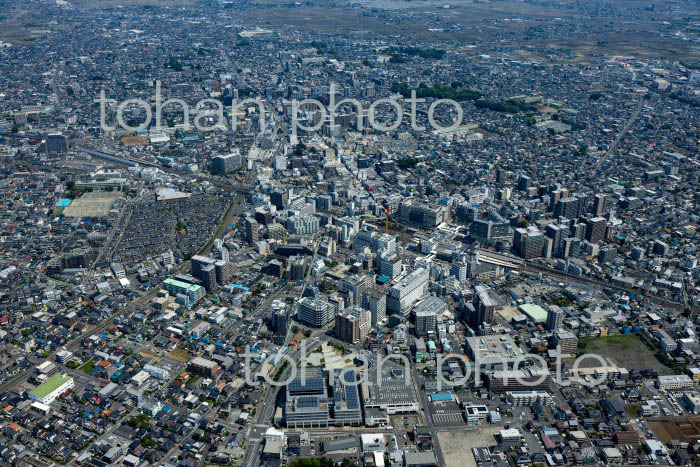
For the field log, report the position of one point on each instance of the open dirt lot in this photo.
(457, 445)
(682, 429)
(94, 204)
(508, 313)
(180, 355)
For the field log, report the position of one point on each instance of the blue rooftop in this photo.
(441, 397)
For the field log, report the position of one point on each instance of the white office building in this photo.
(303, 225)
(390, 264)
(528, 398)
(157, 372)
(49, 390)
(476, 414)
(403, 295)
(671, 382)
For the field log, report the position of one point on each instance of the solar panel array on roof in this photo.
(348, 392)
(307, 402)
(311, 384)
(353, 398)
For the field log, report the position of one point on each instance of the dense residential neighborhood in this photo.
(486, 254)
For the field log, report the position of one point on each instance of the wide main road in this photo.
(428, 418)
(268, 403)
(621, 134)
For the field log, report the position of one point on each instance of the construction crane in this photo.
(387, 211)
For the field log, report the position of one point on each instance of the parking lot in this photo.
(447, 415)
(81, 380)
(668, 401)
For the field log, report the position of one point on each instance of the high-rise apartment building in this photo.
(223, 270)
(227, 163)
(501, 177)
(570, 208)
(208, 276)
(595, 229)
(529, 242)
(56, 143)
(567, 342)
(599, 204)
(555, 317)
(314, 312)
(427, 313)
(484, 306)
(558, 233)
(279, 199)
(252, 230)
(303, 224)
(352, 325)
(355, 285)
(524, 182)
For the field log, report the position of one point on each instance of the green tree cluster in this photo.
(441, 91)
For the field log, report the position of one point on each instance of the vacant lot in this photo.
(134, 141)
(180, 355)
(626, 350)
(685, 430)
(154, 356)
(94, 204)
(457, 446)
(87, 367)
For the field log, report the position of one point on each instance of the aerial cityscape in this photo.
(381, 233)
